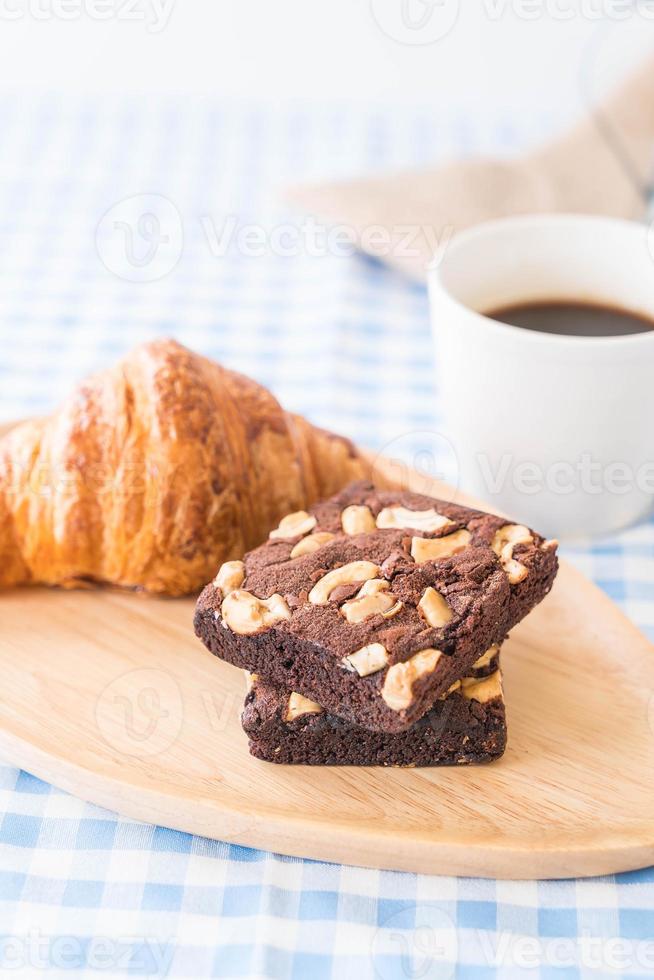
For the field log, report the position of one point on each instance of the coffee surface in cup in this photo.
(573, 319)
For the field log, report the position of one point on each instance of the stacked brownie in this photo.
(372, 627)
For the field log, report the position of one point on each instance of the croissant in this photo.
(156, 471)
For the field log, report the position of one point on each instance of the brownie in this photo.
(374, 602)
(466, 725)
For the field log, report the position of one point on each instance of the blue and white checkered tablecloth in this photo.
(346, 342)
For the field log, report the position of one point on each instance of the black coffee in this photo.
(576, 319)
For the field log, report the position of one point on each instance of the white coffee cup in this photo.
(556, 431)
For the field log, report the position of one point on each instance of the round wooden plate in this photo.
(110, 696)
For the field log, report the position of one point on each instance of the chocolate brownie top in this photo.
(385, 584)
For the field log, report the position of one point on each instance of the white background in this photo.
(515, 57)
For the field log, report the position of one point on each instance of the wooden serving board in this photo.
(110, 696)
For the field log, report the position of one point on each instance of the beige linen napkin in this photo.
(603, 166)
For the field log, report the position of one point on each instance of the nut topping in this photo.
(357, 519)
(354, 571)
(486, 658)
(367, 660)
(397, 691)
(293, 525)
(431, 549)
(373, 586)
(419, 520)
(451, 689)
(311, 543)
(482, 689)
(299, 705)
(230, 576)
(371, 599)
(434, 608)
(244, 613)
(503, 543)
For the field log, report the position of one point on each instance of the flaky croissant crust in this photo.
(156, 471)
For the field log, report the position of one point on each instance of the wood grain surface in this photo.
(110, 696)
